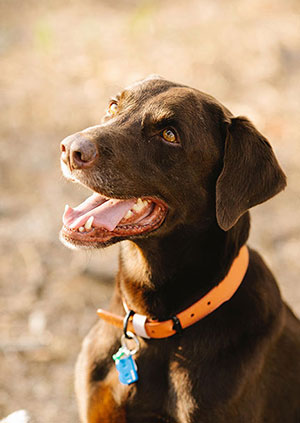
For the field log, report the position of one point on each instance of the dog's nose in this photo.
(78, 152)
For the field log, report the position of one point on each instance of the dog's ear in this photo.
(250, 174)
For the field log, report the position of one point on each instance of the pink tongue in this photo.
(107, 213)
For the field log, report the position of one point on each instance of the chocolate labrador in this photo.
(206, 337)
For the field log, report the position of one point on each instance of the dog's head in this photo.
(165, 155)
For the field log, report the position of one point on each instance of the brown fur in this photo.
(241, 363)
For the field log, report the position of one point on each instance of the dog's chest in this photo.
(162, 394)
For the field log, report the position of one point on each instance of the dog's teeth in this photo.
(145, 202)
(139, 205)
(89, 222)
(81, 229)
(128, 214)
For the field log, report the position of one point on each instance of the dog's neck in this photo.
(161, 276)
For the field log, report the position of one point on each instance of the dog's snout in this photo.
(78, 152)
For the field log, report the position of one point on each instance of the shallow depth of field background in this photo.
(60, 62)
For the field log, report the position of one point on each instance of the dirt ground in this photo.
(60, 61)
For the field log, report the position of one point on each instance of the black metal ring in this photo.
(125, 323)
(177, 325)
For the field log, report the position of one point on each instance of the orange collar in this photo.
(142, 326)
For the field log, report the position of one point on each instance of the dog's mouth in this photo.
(102, 220)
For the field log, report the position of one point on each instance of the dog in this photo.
(206, 336)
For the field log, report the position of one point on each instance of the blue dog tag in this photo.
(126, 366)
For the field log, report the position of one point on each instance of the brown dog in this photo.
(173, 175)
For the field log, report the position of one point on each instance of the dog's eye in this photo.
(113, 108)
(169, 135)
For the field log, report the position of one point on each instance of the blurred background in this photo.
(60, 61)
